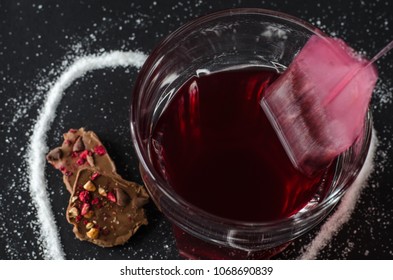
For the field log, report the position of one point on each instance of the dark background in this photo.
(38, 39)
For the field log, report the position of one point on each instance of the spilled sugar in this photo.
(345, 209)
(37, 149)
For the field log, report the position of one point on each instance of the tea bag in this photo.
(318, 105)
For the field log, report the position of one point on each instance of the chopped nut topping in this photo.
(73, 212)
(93, 233)
(89, 186)
(89, 225)
(102, 191)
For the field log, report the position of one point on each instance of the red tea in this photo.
(215, 146)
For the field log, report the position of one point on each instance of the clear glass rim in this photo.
(166, 190)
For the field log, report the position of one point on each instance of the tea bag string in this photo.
(352, 74)
(381, 53)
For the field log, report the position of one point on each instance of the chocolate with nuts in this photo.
(80, 149)
(105, 210)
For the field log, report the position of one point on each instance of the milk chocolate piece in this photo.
(97, 218)
(80, 149)
(104, 208)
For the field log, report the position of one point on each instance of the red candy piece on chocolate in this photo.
(100, 150)
(78, 218)
(81, 161)
(84, 154)
(95, 201)
(111, 197)
(95, 175)
(84, 196)
(85, 208)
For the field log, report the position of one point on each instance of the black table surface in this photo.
(38, 37)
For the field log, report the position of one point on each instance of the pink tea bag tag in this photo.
(318, 105)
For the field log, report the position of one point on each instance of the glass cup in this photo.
(225, 40)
